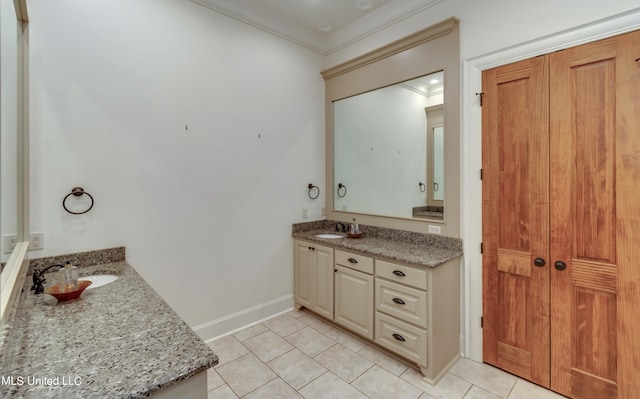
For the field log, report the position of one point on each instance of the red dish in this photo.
(67, 296)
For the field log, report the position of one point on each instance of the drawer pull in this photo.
(399, 273)
(398, 301)
(398, 337)
(351, 260)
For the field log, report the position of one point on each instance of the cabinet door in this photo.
(323, 281)
(515, 213)
(304, 274)
(354, 301)
(595, 217)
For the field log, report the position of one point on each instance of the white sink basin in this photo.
(329, 236)
(99, 280)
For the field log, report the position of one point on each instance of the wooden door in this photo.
(515, 219)
(595, 169)
(587, 228)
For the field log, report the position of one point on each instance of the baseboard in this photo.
(245, 318)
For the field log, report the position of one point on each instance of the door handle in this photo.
(539, 262)
(560, 265)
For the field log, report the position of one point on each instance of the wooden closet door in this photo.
(595, 219)
(515, 219)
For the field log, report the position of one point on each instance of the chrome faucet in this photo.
(38, 279)
(341, 227)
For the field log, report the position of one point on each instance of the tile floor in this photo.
(297, 355)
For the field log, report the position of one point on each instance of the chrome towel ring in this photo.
(78, 192)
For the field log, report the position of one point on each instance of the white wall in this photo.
(205, 212)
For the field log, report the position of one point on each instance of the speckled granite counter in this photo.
(418, 249)
(120, 340)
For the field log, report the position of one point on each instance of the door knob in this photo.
(560, 265)
(539, 262)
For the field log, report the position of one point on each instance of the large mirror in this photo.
(388, 153)
(13, 152)
(8, 125)
(393, 134)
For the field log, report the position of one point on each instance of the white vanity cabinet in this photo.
(354, 292)
(412, 311)
(418, 314)
(313, 275)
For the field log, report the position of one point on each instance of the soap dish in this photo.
(67, 296)
(355, 235)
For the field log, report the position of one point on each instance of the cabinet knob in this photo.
(539, 262)
(398, 301)
(398, 337)
(352, 260)
(399, 273)
(560, 265)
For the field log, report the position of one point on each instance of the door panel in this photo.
(628, 214)
(323, 290)
(515, 219)
(583, 210)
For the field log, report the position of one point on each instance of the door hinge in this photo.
(481, 322)
(481, 248)
(481, 94)
(480, 173)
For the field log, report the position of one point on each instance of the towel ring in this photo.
(77, 191)
(422, 187)
(311, 187)
(340, 187)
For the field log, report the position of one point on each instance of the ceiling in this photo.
(324, 26)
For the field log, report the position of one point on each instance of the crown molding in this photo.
(259, 17)
(433, 32)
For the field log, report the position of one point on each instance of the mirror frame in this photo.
(433, 49)
(15, 268)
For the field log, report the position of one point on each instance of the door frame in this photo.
(471, 152)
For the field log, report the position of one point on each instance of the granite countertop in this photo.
(120, 340)
(417, 249)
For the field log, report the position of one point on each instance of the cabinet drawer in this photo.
(404, 339)
(407, 275)
(354, 261)
(406, 303)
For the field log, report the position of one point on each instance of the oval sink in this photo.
(99, 280)
(329, 236)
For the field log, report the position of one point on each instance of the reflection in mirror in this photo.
(387, 152)
(8, 123)
(438, 163)
(13, 152)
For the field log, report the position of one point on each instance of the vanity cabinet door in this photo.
(354, 300)
(313, 275)
(323, 282)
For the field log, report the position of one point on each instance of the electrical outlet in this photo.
(434, 229)
(9, 243)
(36, 241)
(305, 213)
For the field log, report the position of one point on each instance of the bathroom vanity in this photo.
(120, 340)
(397, 289)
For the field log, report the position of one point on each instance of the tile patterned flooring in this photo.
(297, 355)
